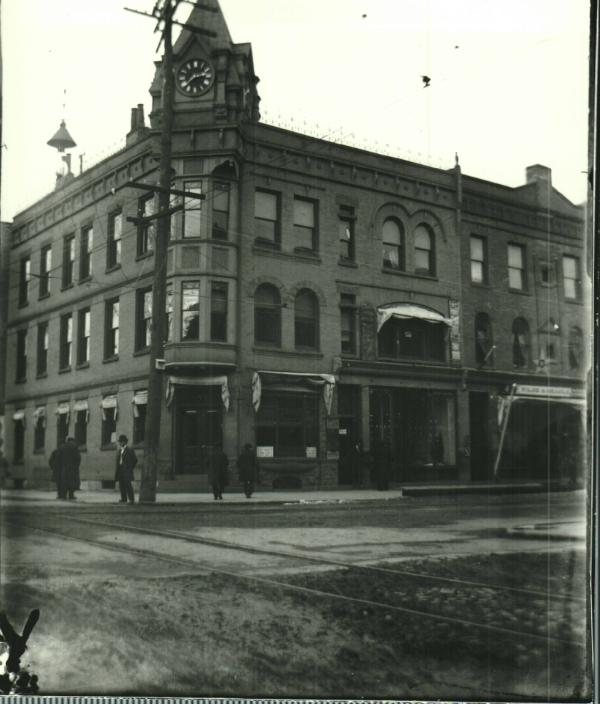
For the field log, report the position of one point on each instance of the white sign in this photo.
(311, 452)
(547, 391)
(343, 431)
(264, 451)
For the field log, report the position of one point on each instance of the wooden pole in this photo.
(503, 431)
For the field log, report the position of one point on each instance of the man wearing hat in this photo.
(126, 461)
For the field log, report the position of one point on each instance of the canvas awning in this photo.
(40, 412)
(109, 402)
(326, 381)
(408, 310)
(63, 409)
(173, 381)
(19, 415)
(140, 398)
(82, 405)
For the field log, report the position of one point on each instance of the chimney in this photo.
(538, 173)
(138, 127)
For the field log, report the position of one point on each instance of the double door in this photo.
(198, 427)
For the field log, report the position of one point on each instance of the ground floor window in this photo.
(39, 432)
(81, 428)
(18, 441)
(62, 428)
(109, 426)
(287, 424)
(139, 423)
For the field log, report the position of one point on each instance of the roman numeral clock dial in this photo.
(195, 77)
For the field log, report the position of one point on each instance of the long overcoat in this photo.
(124, 469)
(69, 459)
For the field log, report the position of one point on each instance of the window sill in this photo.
(573, 301)
(42, 296)
(348, 262)
(23, 304)
(411, 274)
(66, 287)
(108, 360)
(113, 267)
(519, 291)
(85, 279)
(144, 255)
(64, 370)
(268, 245)
(479, 284)
(41, 375)
(142, 351)
(83, 365)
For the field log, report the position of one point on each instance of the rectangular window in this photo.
(140, 401)
(109, 426)
(86, 245)
(111, 328)
(190, 310)
(68, 260)
(143, 319)
(218, 311)
(39, 429)
(42, 349)
(62, 428)
(19, 441)
(81, 423)
(266, 217)
(346, 232)
(45, 268)
(516, 267)
(348, 320)
(478, 260)
(305, 224)
(571, 279)
(146, 232)
(192, 210)
(83, 336)
(220, 212)
(66, 341)
(24, 279)
(21, 366)
(169, 306)
(115, 232)
(288, 423)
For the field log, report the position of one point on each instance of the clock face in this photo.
(195, 77)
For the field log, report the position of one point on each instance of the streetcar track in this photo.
(142, 552)
(215, 542)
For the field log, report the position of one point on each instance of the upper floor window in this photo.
(348, 321)
(42, 349)
(190, 310)
(115, 232)
(169, 306)
(143, 319)
(424, 250)
(393, 244)
(412, 338)
(266, 217)
(146, 231)
(45, 268)
(267, 315)
(24, 279)
(346, 239)
(520, 334)
(68, 261)
(192, 209)
(516, 267)
(83, 336)
(218, 311)
(306, 319)
(66, 341)
(575, 348)
(21, 366)
(571, 277)
(478, 260)
(86, 245)
(484, 346)
(305, 224)
(111, 328)
(220, 211)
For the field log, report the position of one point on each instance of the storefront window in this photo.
(412, 338)
(287, 423)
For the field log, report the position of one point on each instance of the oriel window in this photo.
(169, 320)
(111, 328)
(218, 311)
(45, 269)
(190, 310)
(85, 252)
(393, 244)
(66, 341)
(267, 315)
(220, 211)
(115, 232)
(192, 210)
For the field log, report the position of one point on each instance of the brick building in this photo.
(324, 302)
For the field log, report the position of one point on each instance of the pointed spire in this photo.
(62, 139)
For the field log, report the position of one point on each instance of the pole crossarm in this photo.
(160, 189)
(149, 218)
(201, 6)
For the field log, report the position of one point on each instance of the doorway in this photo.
(198, 425)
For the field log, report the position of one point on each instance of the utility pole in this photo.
(159, 282)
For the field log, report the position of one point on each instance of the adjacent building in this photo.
(326, 304)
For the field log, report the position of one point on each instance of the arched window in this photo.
(520, 333)
(267, 315)
(393, 244)
(424, 250)
(306, 319)
(484, 346)
(575, 348)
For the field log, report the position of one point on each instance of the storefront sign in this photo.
(264, 451)
(548, 391)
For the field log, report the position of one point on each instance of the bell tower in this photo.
(215, 81)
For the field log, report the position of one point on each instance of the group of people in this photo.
(65, 461)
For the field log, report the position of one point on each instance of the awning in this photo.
(64, 409)
(109, 402)
(140, 398)
(326, 381)
(40, 412)
(19, 415)
(408, 310)
(82, 405)
(173, 381)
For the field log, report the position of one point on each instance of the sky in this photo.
(509, 81)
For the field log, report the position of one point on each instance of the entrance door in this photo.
(348, 461)
(199, 425)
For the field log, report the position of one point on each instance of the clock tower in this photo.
(215, 81)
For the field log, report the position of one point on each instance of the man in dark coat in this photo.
(125, 462)
(248, 469)
(64, 462)
(216, 464)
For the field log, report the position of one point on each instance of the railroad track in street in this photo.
(204, 569)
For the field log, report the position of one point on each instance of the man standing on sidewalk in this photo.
(248, 469)
(126, 461)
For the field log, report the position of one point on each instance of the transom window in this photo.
(424, 259)
(393, 244)
(267, 315)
